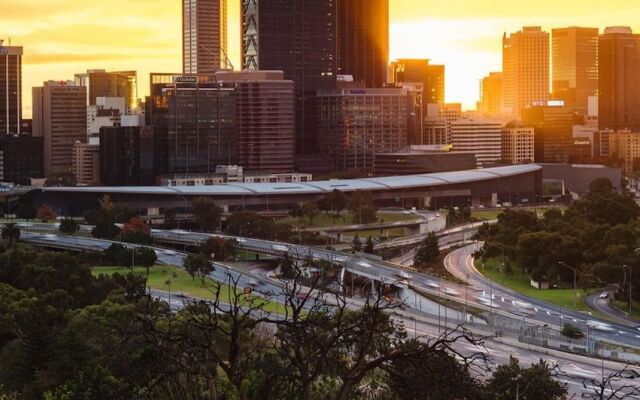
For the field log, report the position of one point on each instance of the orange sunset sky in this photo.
(68, 36)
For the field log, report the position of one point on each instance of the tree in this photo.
(536, 382)
(287, 267)
(136, 231)
(310, 211)
(69, 226)
(25, 208)
(105, 230)
(117, 254)
(10, 233)
(198, 265)
(146, 257)
(206, 213)
(369, 246)
(362, 206)
(428, 252)
(46, 214)
(356, 245)
(335, 201)
(219, 248)
(572, 331)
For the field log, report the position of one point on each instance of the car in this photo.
(253, 283)
(451, 292)
(604, 295)
(432, 284)
(404, 275)
(628, 373)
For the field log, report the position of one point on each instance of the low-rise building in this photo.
(480, 137)
(625, 146)
(422, 160)
(86, 162)
(517, 143)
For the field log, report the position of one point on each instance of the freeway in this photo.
(460, 263)
(601, 301)
(481, 294)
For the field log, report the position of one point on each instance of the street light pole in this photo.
(575, 285)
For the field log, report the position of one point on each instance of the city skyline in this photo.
(61, 40)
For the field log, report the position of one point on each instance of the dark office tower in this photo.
(619, 79)
(363, 40)
(297, 37)
(10, 89)
(126, 156)
(420, 71)
(100, 83)
(575, 66)
(553, 132)
(204, 36)
(157, 115)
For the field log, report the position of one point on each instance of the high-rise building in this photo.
(491, 94)
(420, 70)
(363, 40)
(525, 66)
(356, 124)
(297, 37)
(126, 156)
(553, 130)
(21, 158)
(575, 66)
(10, 89)
(624, 145)
(60, 116)
(264, 119)
(619, 79)
(86, 162)
(518, 143)
(204, 36)
(480, 137)
(100, 83)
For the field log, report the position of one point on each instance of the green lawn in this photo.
(325, 220)
(181, 282)
(485, 215)
(623, 306)
(521, 284)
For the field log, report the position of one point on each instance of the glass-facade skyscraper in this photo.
(297, 37)
(575, 66)
(10, 89)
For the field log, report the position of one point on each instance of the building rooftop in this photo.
(315, 187)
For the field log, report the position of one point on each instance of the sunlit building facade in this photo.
(525, 66)
(420, 70)
(619, 79)
(491, 94)
(480, 137)
(204, 37)
(363, 40)
(518, 143)
(100, 83)
(575, 66)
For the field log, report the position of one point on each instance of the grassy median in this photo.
(181, 282)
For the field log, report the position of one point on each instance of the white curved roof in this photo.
(316, 187)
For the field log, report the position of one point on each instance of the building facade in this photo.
(553, 127)
(525, 66)
(431, 76)
(491, 91)
(60, 117)
(10, 89)
(480, 137)
(100, 83)
(363, 40)
(22, 158)
(575, 66)
(518, 144)
(264, 120)
(624, 146)
(126, 156)
(619, 85)
(297, 37)
(355, 124)
(86, 162)
(423, 160)
(204, 36)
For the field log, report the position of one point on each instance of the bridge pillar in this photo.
(339, 236)
(341, 275)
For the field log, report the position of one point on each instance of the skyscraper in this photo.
(363, 40)
(204, 36)
(491, 93)
(421, 71)
(100, 83)
(297, 37)
(525, 65)
(619, 79)
(10, 89)
(60, 116)
(575, 66)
